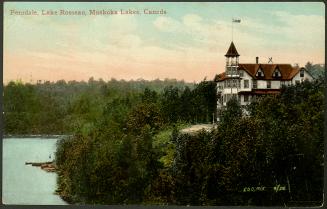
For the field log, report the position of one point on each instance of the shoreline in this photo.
(46, 136)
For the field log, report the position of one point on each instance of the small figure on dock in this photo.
(50, 156)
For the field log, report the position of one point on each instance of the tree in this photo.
(170, 104)
(204, 101)
(186, 105)
(190, 168)
(232, 113)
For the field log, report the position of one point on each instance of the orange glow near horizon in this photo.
(187, 43)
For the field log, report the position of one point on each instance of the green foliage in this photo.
(68, 107)
(171, 104)
(204, 101)
(190, 168)
(232, 113)
(119, 162)
(144, 115)
(126, 147)
(197, 105)
(164, 142)
(316, 70)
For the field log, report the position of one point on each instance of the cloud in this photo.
(192, 20)
(166, 24)
(303, 27)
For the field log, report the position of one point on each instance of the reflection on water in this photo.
(25, 184)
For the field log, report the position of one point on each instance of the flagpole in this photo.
(233, 29)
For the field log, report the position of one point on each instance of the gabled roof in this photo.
(232, 52)
(287, 70)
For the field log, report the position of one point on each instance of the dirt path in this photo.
(198, 127)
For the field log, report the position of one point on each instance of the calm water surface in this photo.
(25, 184)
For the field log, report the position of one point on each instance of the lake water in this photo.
(25, 184)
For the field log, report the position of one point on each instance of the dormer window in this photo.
(260, 73)
(277, 73)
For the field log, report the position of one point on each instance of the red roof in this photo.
(220, 77)
(287, 71)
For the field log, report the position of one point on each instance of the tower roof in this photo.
(232, 52)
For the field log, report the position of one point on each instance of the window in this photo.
(234, 83)
(246, 98)
(260, 73)
(297, 82)
(227, 61)
(268, 84)
(277, 73)
(246, 84)
(241, 73)
(254, 84)
(302, 73)
(228, 84)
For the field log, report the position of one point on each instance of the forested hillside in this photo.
(67, 107)
(134, 154)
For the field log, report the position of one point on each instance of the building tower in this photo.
(229, 88)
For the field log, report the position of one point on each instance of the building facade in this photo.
(245, 82)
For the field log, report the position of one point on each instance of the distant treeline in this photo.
(66, 107)
(316, 70)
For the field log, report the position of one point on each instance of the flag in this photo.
(237, 20)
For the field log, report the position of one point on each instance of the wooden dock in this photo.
(47, 166)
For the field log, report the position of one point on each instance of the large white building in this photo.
(247, 81)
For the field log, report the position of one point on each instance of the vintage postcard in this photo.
(163, 103)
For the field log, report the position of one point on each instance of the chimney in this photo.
(257, 60)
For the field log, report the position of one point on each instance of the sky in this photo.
(187, 43)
